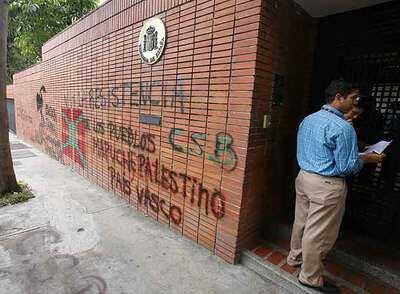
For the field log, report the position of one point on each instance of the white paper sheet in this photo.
(377, 148)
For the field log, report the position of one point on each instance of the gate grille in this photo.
(363, 46)
(374, 196)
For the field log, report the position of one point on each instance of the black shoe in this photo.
(326, 288)
(296, 265)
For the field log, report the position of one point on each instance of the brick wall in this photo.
(82, 106)
(285, 47)
(188, 173)
(27, 118)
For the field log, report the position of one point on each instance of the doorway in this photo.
(11, 115)
(362, 46)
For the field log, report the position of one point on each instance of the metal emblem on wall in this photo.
(152, 40)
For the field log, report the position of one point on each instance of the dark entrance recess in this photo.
(364, 46)
(11, 115)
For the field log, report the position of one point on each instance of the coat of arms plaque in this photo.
(152, 40)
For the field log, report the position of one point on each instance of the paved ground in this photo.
(76, 238)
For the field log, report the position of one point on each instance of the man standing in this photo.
(326, 152)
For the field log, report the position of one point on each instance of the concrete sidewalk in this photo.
(76, 238)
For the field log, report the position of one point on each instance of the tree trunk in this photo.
(8, 182)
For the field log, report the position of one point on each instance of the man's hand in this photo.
(373, 158)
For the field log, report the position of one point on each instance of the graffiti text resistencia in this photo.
(132, 95)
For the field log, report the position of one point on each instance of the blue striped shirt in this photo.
(327, 144)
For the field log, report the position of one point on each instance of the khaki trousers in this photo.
(320, 204)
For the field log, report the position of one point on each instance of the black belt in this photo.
(334, 177)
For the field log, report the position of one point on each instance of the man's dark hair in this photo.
(342, 87)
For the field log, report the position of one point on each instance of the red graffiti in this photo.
(73, 135)
(150, 199)
(172, 181)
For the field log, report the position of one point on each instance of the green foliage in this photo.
(24, 194)
(33, 22)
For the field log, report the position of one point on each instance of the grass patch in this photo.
(13, 198)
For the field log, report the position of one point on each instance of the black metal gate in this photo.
(374, 198)
(364, 47)
(11, 115)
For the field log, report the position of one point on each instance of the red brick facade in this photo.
(286, 43)
(202, 171)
